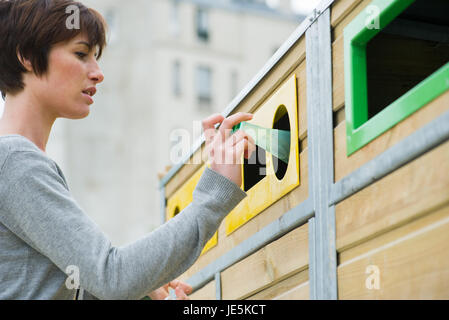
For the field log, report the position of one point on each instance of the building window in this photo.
(396, 61)
(175, 27)
(176, 79)
(202, 24)
(204, 87)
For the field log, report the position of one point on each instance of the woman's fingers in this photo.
(237, 137)
(184, 286)
(209, 126)
(234, 140)
(180, 294)
(182, 289)
(231, 121)
(251, 148)
(244, 147)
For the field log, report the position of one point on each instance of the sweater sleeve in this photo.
(37, 206)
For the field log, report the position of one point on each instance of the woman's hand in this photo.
(225, 150)
(182, 289)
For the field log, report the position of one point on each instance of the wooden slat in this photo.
(348, 11)
(302, 100)
(273, 263)
(338, 74)
(405, 194)
(345, 165)
(339, 116)
(340, 9)
(412, 262)
(293, 288)
(205, 293)
(301, 292)
(276, 210)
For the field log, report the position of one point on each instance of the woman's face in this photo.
(67, 89)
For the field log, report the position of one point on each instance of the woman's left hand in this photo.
(182, 289)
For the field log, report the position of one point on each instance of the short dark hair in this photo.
(29, 28)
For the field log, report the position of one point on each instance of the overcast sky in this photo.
(299, 6)
(304, 6)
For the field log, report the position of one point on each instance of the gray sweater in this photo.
(43, 231)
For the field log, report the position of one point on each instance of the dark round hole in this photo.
(176, 211)
(281, 122)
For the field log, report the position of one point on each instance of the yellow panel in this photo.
(182, 198)
(270, 188)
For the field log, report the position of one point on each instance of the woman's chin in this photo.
(79, 114)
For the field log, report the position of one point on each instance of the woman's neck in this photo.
(27, 118)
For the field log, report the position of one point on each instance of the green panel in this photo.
(360, 130)
(429, 89)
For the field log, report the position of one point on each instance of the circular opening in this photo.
(281, 142)
(176, 211)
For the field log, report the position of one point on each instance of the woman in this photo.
(48, 71)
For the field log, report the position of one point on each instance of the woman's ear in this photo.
(25, 62)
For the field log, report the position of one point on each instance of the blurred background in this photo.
(168, 64)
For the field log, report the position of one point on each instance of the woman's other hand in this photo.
(182, 289)
(224, 148)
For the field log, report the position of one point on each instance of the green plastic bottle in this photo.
(275, 141)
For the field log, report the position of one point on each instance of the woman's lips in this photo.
(88, 98)
(89, 93)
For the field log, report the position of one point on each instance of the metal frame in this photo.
(318, 210)
(323, 283)
(218, 286)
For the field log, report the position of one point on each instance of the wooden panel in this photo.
(295, 287)
(345, 165)
(226, 243)
(339, 116)
(301, 292)
(273, 263)
(302, 100)
(340, 9)
(412, 263)
(348, 11)
(405, 194)
(205, 293)
(338, 74)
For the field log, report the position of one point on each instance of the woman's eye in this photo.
(81, 54)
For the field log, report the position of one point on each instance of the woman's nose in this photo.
(96, 74)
